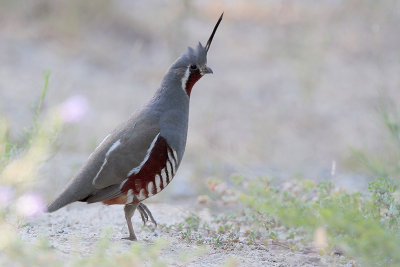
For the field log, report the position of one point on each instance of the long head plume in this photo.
(213, 32)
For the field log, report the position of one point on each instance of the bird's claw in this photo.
(145, 213)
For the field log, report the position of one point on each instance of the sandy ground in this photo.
(76, 229)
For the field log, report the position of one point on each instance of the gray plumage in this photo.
(126, 150)
(166, 113)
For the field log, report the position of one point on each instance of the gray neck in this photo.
(170, 95)
(171, 105)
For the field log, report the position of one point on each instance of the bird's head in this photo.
(192, 64)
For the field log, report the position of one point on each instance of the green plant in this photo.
(386, 163)
(361, 225)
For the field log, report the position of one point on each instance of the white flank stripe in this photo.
(114, 146)
(173, 167)
(111, 149)
(105, 138)
(169, 171)
(158, 183)
(185, 79)
(141, 195)
(173, 158)
(123, 183)
(164, 177)
(99, 145)
(150, 187)
(176, 156)
(173, 162)
(138, 168)
(170, 157)
(129, 198)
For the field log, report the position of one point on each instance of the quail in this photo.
(140, 157)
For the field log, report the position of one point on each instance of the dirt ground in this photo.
(76, 229)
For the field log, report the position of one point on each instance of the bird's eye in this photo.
(193, 67)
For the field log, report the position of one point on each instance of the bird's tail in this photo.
(53, 206)
(71, 193)
(57, 203)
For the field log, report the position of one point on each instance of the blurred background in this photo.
(295, 91)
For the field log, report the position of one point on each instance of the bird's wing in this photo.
(109, 164)
(105, 194)
(125, 152)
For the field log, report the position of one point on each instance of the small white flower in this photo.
(30, 205)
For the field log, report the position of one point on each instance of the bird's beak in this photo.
(206, 70)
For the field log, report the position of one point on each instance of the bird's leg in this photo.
(129, 210)
(145, 212)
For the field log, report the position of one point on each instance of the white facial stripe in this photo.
(185, 79)
(150, 187)
(141, 195)
(138, 168)
(129, 198)
(158, 183)
(111, 149)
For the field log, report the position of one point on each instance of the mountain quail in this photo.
(140, 157)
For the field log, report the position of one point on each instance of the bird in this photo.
(140, 157)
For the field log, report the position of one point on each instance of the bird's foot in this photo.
(130, 237)
(145, 213)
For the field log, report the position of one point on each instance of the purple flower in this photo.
(74, 108)
(6, 195)
(30, 205)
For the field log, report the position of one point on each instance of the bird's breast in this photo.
(153, 174)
